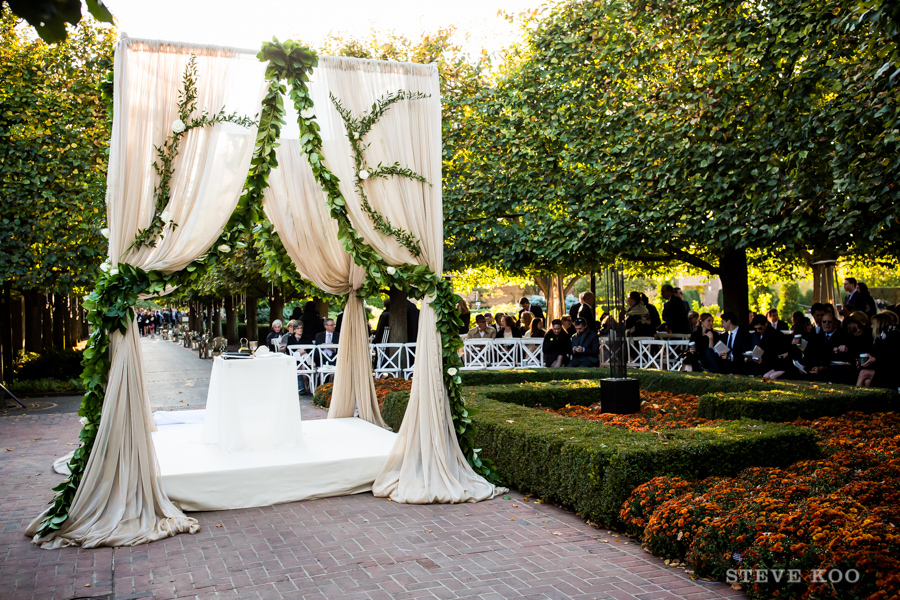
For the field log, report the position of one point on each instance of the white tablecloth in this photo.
(253, 404)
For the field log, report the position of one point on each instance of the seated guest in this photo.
(489, 318)
(557, 345)
(498, 321)
(568, 326)
(738, 341)
(817, 310)
(828, 354)
(384, 320)
(693, 320)
(329, 336)
(604, 324)
(702, 339)
(637, 317)
(536, 330)
(796, 317)
(312, 322)
(856, 330)
(584, 309)
(880, 368)
(778, 324)
(774, 346)
(481, 331)
(295, 331)
(674, 314)
(871, 308)
(655, 319)
(526, 305)
(275, 334)
(585, 346)
(509, 329)
(465, 315)
(525, 320)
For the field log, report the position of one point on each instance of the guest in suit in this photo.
(567, 326)
(481, 331)
(738, 341)
(498, 321)
(772, 342)
(585, 310)
(384, 320)
(778, 324)
(585, 346)
(537, 311)
(312, 322)
(465, 315)
(693, 320)
(329, 336)
(674, 314)
(854, 300)
(655, 319)
(830, 346)
(509, 329)
(557, 345)
(412, 322)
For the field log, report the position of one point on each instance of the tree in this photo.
(49, 17)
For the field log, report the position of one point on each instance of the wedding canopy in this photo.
(392, 224)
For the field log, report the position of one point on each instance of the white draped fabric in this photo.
(120, 501)
(295, 205)
(426, 464)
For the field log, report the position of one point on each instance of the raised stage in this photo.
(336, 457)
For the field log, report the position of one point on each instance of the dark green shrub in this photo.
(50, 363)
(782, 405)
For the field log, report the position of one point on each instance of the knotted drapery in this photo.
(120, 501)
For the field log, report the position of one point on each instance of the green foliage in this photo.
(49, 17)
(809, 402)
(788, 300)
(593, 468)
(53, 165)
(46, 385)
(52, 363)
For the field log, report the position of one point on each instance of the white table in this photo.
(252, 404)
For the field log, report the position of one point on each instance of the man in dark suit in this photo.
(772, 342)
(312, 322)
(383, 322)
(854, 300)
(674, 314)
(738, 341)
(585, 346)
(827, 347)
(537, 311)
(329, 336)
(778, 324)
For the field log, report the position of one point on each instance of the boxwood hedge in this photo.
(593, 468)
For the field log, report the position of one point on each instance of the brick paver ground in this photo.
(353, 547)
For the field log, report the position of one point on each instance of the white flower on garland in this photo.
(105, 232)
(308, 113)
(224, 248)
(104, 267)
(166, 216)
(363, 174)
(391, 270)
(114, 271)
(355, 135)
(452, 371)
(178, 126)
(84, 420)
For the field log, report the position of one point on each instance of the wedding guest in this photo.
(312, 322)
(489, 319)
(637, 317)
(525, 319)
(828, 354)
(567, 326)
(687, 305)
(384, 320)
(871, 308)
(854, 300)
(557, 345)
(585, 310)
(693, 320)
(481, 331)
(294, 336)
(773, 344)
(738, 340)
(329, 336)
(498, 321)
(275, 335)
(465, 315)
(526, 305)
(674, 314)
(879, 369)
(585, 346)
(655, 319)
(703, 338)
(536, 330)
(509, 329)
(778, 324)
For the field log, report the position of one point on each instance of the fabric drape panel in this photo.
(426, 463)
(120, 501)
(295, 205)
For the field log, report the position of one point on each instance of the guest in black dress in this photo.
(702, 338)
(557, 345)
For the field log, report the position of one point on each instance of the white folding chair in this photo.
(476, 354)
(675, 348)
(304, 355)
(388, 359)
(653, 354)
(505, 353)
(532, 354)
(634, 350)
(410, 367)
(326, 361)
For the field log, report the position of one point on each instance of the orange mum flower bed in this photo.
(658, 410)
(383, 387)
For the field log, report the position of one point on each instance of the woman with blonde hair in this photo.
(879, 366)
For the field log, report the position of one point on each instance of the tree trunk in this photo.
(59, 320)
(217, 317)
(47, 321)
(231, 330)
(210, 318)
(17, 321)
(34, 308)
(735, 284)
(6, 342)
(322, 307)
(397, 316)
(252, 325)
(276, 306)
(82, 315)
(73, 327)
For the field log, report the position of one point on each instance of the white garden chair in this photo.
(476, 354)
(326, 361)
(410, 367)
(506, 353)
(304, 355)
(388, 358)
(634, 350)
(531, 354)
(652, 354)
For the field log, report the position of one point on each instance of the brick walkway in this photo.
(349, 547)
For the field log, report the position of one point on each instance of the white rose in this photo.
(355, 135)
(104, 267)
(308, 113)
(114, 271)
(224, 248)
(363, 174)
(391, 270)
(84, 420)
(166, 216)
(177, 126)
(452, 371)
(105, 232)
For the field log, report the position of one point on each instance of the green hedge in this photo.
(594, 468)
(782, 405)
(50, 363)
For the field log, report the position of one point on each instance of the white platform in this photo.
(336, 457)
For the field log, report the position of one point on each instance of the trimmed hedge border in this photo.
(721, 396)
(594, 468)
